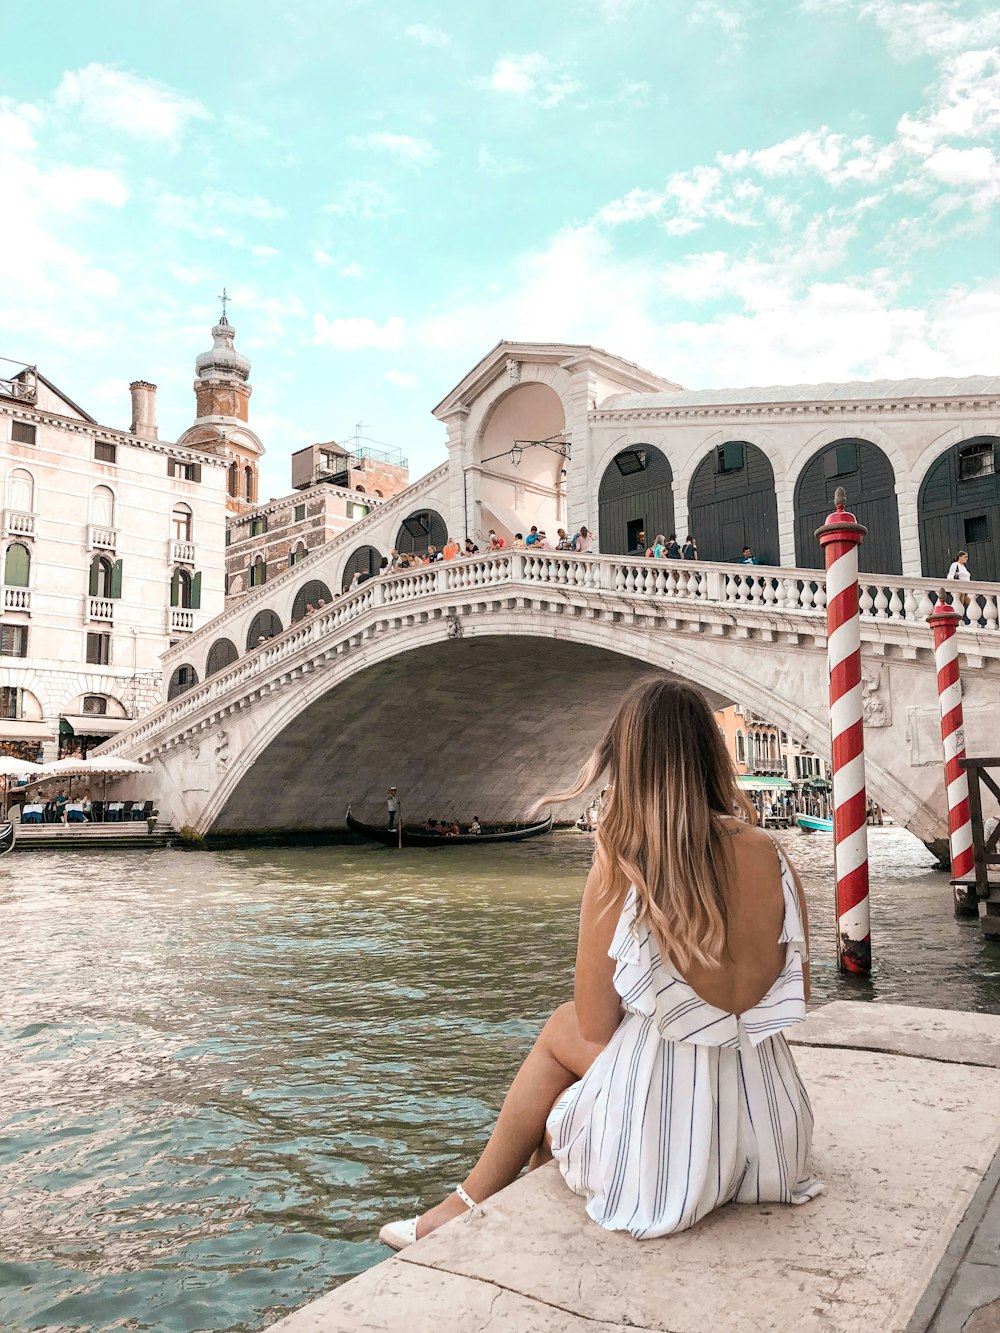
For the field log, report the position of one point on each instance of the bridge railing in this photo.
(799, 593)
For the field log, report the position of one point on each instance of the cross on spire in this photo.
(225, 298)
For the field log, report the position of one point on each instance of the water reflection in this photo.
(222, 1069)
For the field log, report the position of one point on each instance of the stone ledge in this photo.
(901, 1164)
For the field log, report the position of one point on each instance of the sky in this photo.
(728, 192)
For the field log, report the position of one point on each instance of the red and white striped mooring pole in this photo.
(840, 536)
(944, 620)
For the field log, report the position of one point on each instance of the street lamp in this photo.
(555, 444)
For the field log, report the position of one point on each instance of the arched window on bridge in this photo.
(265, 625)
(869, 479)
(182, 679)
(635, 496)
(741, 748)
(732, 504)
(959, 509)
(311, 594)
(364, 561)
(221, 654)
(419, 530)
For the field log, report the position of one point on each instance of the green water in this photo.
(221, 1071)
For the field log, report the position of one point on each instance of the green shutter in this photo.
(116, 579)
(175, 588)
(95, 574)
(196, 592)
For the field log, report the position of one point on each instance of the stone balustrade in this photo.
(100, 538)
(17, 523)
(182, 553)
(179, 620)
(99, 608)
(17, 599)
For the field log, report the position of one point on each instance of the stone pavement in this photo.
(906, 1237)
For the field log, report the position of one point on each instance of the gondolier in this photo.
(392, 801)
(412, 836)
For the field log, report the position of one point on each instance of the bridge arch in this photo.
(222, 653)
(365, 560)
(521, 484)
(635, 494)
(312, 592)
(958, 507)
(869, 478)
(732, 503)
(419, 530)
(182, 678)
(265, 625)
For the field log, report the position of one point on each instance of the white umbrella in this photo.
(15, 768)
(110, 763)
(64, 768)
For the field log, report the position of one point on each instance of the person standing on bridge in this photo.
(666, 1087)
(392, 802)
(960, 570)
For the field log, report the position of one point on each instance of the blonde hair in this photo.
(669, 778)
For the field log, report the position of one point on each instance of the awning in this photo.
(25, 731)
(751, 782)
(95, 724)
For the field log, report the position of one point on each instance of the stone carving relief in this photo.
(875, 702)
(513, 370)
(221, 750)
(455, 629)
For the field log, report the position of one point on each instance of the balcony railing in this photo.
(179, 620)
(102, 539)
(17, 523)
(17, 599)
(99, 608)
(181, 553)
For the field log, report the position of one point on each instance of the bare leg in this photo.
(558, 1058)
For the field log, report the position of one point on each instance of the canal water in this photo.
(221, 1071)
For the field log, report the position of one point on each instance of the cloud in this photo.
(408, 151)
(194, 214)
(729, 19)
(426, 36)
(325, 260)
(366, 200)
(350, 334)
(531, 76)
(614, 11)
(401, 378)
(633, 92)
(117, 100)
(821, 152)
(240, 205)
(492, 165)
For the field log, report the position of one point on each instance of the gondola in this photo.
(814, 824)
(7, 836)
(419, 838)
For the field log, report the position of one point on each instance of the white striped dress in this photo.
(688, 1107)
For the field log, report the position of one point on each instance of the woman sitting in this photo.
(665, 1088)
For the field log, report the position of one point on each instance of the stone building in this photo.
(112, 551)
(333, 488)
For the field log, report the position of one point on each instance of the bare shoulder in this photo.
(748, 839)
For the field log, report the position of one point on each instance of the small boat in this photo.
(7, 836)
(414, 837)
(814, 824)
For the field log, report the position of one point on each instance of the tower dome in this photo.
(223, 361)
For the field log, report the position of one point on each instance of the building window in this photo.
(182, 679)
(17, 566)
(248, 494)
(13, 641)
(300, 513)
(234, 479)
(99, 649)
(10, 702)
(978, 460)
(181, 589)
(23, 432)
(729, 456)
(841, 460)
(258, 525)
(95, 705)
(298, 554)
(977, 529)
(105, 452)
(105, 577)
(181, 519)
(630, 461)
(741, 748)
(258, 573)
(102, 507)
(229, 536)
(176, 467)
(356, 510)
(21, 491)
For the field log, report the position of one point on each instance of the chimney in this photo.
(143, 409)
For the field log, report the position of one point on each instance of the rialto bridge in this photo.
(477, 685)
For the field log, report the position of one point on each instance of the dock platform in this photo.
(906, 1238)
(90, 837)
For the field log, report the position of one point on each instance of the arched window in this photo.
(221, 654)
(959, 509)
(364, 561)
(741, 748)
(420, 530)
(265, 625)
(868, 476)
(258, 572)
(183, 678)
(182, 523)
(21, 491)
(635, 501)
(298, 554)
(180, 589)
(17, 566)
(95, 705)
(248, 494)
(102, 507)
(732, 504)
(311, 594)
(234, 479)
(101, 575)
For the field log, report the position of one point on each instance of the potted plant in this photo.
(151, 819)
